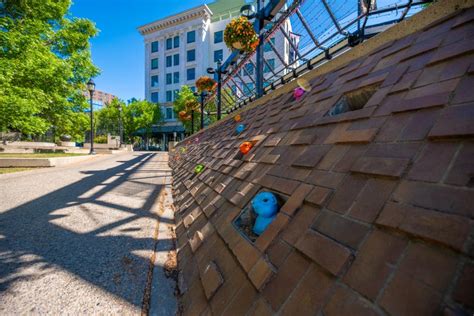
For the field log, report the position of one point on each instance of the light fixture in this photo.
(91, 88)
(211, 70)
(91, 85)
(248, 11)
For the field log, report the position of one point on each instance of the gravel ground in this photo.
(79, 239)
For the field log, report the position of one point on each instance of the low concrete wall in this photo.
(32, 144)
(68, 144)
(24, 150)
(172, 145)
(41, 162)
(100, 146)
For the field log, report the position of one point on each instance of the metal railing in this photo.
(297, 36)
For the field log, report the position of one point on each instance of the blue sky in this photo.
(118, 49)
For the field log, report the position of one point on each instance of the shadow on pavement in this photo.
(103, 256)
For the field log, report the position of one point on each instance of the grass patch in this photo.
(40, 155)
(14, 169)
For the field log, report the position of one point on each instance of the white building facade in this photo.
(179, 49)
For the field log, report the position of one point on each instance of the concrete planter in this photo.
(41, 162)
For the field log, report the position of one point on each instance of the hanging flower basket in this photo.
(182, 115)
(239, 34)
(191, 105)
(205, 83)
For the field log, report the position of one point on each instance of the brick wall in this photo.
(379, 202)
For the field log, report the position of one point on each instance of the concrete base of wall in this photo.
(19, 150)
(68, 144)
(101, 146)
(42, 145)
(41, 162)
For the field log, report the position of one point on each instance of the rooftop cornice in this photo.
(202, 11)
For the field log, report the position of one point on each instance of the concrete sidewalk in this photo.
(88, 238)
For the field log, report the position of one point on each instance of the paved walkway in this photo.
(80, 239)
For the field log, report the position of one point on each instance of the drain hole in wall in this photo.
(255, 218)
(352, 101)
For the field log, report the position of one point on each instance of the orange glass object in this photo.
(237, 118)
(245, 147)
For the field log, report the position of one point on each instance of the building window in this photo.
(248, 69)
(191, 74)
(191, 37)
(169, 96)
(248, 88)
(169, 78)
(191, 55)
(267, 47)
(176, 77)
(176, 59)
(169, 43)
(269, 65)
(154, 81)
(175, 93)
(176, 41)
(154, 97)
(218, 37)
(154, 46)
(169, 113)
(154, 63)
(169, 61)
(218, 55)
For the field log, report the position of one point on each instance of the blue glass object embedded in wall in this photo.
(240, 128)
(265, 205)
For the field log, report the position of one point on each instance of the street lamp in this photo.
(121, 125)
(219, 73)
(259, 15)
(203, 96)
(248, 11)
(91, 88)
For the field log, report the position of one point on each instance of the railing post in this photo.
(202, 109)
(192, 122)
(219, 91)
(260, 18)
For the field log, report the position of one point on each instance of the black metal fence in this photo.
(299, 35)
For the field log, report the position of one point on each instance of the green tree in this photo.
(44, 63)
(109, 117)
(138, 117)
(186, 95)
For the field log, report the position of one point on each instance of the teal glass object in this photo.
(265, 205)
(240, 128)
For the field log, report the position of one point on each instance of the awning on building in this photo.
(158, 129)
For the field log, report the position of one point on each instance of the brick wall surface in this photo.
(379, 202)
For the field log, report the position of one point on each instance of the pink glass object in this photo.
(298, 93)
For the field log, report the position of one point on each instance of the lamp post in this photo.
(192, 122)
(91, 88)
(203, 96)
(121, 125)
(219, 73)
(249, 12)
